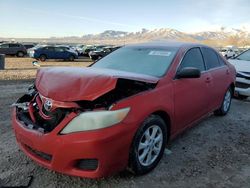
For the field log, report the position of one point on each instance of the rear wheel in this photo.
(42, 57)
(148, 145)
(225, 106)
(20, 54)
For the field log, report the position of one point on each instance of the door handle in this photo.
(227, 72)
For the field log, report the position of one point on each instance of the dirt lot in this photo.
(22, 68)
(215, 153)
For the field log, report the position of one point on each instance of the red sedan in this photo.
(122, 110)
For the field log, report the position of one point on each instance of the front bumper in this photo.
(242, 86)
(61, 153)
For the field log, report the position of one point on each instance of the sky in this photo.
(58, 18)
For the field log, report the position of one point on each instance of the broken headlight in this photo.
(95, 120)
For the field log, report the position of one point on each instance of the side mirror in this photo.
(188, 72)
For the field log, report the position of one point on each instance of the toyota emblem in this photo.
(48, 105)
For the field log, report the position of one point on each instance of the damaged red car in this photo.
(121, 111)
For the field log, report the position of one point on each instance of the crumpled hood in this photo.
(74, 84)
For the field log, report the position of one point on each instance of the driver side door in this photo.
(191, 94)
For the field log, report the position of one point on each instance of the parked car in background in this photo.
(228, 52)
(68, 47)
(242, 65)
(80, 48)
(31, 50)
(100, 53)
(122, 110)
(53, 52)
(13, 49)
(87, 49)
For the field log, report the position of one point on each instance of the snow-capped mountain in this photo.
(231, 35)
(170, 34)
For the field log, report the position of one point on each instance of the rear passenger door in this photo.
(14, 48)
(60, 53)
(219, 76)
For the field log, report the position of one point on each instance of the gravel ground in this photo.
(215, 153)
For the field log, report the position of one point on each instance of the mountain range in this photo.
(222, 36)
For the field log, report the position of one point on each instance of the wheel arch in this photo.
(19, 52)
(232, 86)
(43, 54)
(166, 118)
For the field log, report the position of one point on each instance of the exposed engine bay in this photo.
(43, 114)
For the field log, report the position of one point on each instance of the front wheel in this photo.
(225, 106)
(71, 58)
(43, 57)
(148, 145)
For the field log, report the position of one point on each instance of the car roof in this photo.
(168, 44)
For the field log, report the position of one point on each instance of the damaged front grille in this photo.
(31, 112)
(44, 114)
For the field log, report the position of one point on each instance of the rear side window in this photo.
(211, 58)
(193, 58)
(4, 46)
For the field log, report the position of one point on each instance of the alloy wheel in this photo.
(227, 101)
(150, 145)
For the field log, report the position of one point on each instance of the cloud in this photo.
(81, 18)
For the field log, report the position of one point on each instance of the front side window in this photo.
(153, 61)
(49, 48)
(221, 61)
(65, 48)
(211, 58)
(244, 56)
(193, 58)
(59, 49)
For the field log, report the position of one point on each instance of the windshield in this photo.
(244, 56)
(142, 60)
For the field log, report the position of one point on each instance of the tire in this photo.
(226, 103)
(71, 58)
(242, 97)
(42, 57)
(139, 158)
(20, 54)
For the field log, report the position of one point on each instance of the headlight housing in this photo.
(87, 121)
